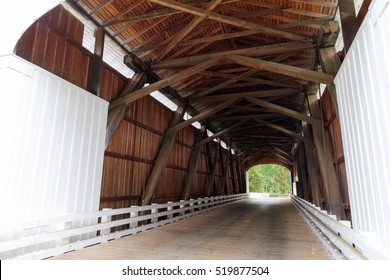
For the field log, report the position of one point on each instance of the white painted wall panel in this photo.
(51, 143)
(363, 85)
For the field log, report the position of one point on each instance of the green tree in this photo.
(270, 178)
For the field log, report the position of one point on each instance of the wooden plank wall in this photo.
(333, 136)
(54, 43)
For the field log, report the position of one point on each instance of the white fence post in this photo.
(154, 211)
(133, 214)
(106, 219)
(169, 208)
(60, 227)
(200, 203)
(181, 207)
(191, 204)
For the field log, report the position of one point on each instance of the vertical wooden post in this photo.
(302, 172)
(313, 169)
(349, 22)
(225, 169)
(239, 175)
(330, 64)
(94, 76)
(213, 170)
(243, 174)
(193, 164)
(162, 157)
(328, 172)
(231, 165)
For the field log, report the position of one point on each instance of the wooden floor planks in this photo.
(257, 228)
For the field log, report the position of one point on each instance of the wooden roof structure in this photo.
(241, 67)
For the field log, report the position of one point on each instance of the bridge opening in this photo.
(270, 178)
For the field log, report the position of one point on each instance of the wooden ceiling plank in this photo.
(256, 51)
(140, 32)
(261, 12)
(129, 9)
(296, 72)
(185, 31)
(283, 110)
(198, 49)
(228, 20)
(165, 82)
(100, 6)
(153, 14)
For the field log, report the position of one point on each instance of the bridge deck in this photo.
(266, 228)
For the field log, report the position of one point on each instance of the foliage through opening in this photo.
(270, 178)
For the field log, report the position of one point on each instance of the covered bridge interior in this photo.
(190, 94)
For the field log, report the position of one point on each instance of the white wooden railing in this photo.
(346, 242)
(44, 238)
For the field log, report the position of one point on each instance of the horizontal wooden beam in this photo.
(283, 110)
(204, 114)
(225, 84)
(305, 22)
(259, 93)
(292, 71)
(256, 51)
(283, 130)
(228, 20)
(244, 117)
